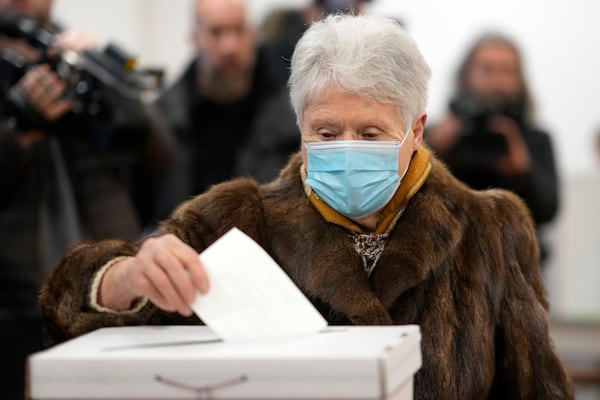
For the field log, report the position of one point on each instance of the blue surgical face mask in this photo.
(354, 177)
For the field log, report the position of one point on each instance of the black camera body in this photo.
(99, 82)
(476, 133)
(470, 107)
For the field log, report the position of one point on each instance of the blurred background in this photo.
(559, 44)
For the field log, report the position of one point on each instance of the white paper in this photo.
(250, 296)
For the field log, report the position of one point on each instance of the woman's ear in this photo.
(418, 127)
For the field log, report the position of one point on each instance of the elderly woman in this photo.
(366, 222)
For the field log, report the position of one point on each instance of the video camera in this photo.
(99, 82)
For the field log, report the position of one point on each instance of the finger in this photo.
(154, 295)
(179, 254)
(503, 125)
(57, 109)
(52, 91)
(43, 88)
(178, 275)
(161, 281)
(32, 84)
(139, 285)
(200, 277)
(191, 262)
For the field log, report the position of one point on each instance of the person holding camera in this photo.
(489, 138)
(68, 165)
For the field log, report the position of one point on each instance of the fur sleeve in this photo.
(65, 300)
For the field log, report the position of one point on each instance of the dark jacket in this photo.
(209, 134)
(461, 264)
(62, 190)
(274, 137)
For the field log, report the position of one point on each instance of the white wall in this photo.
(558, 39)
(573, 276)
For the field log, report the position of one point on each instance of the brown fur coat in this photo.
(462, 264)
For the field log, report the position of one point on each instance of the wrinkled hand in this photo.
(165, 269)
(517, 160)
(43, 90)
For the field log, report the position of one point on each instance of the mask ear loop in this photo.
(401, 143)
(405, 136)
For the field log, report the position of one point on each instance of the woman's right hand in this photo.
(165, 270)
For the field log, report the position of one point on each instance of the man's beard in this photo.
(228, 83)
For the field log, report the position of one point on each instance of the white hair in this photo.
(366, 55)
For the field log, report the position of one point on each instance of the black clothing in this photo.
(472, 161)
(209, 134)
(61, 191)
(75, 184)
(20, 336)
(274, 137)
(282, 29)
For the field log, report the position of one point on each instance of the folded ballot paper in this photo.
(264, 340)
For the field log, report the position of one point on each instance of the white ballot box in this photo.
(191, 362)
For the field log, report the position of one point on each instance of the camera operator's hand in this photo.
(443, 136)
(165, 270)
(517, 160)
(38, 96)
(76, 40)
(43, 90)
(20, 47)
